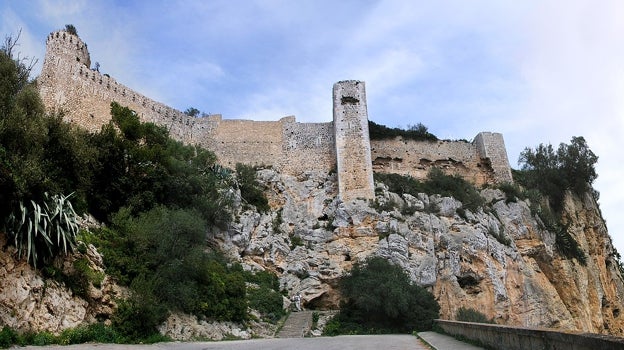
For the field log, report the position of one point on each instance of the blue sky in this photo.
(536, 71)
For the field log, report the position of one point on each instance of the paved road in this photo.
(346, 342)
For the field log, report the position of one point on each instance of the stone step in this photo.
(297, 325)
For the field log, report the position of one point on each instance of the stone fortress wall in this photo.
(483, 161)
(68, 84)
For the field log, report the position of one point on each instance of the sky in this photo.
(537, 71)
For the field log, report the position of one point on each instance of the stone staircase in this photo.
(297, 325)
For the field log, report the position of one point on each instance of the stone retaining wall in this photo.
(514, 338)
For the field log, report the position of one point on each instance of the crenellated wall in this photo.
(68, 84)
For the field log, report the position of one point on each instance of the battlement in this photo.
(68, 84)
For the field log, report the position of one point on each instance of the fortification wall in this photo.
(308, 146)
(84, 95)
(484, 161)
(416, 158)
(246, 141)
(491, 146)
(68, 84)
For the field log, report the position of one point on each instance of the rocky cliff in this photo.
(31, 302)
(498, 260)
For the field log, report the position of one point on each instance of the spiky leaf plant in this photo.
(42, 231)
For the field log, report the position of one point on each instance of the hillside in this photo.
(498, 260)
(126, 228)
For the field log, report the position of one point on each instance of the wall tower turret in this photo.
(61, 46)
(353, 149)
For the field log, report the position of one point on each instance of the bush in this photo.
(251, 190)
(264, 295)
(266, 301)
(437, 183)
(8, 337)
(552, 172)
(380, 298)
(138, 317)
(140, 167)
(471, 315)
(512, 192)
(42, 231)
(564, 242)
(94, 333)
(164, 249)
(416, 132)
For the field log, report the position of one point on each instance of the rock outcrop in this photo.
(30, 302)
(500, 261)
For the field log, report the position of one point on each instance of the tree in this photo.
(577, 163)
(192, 112)
(71, 29)
(570, 168)
(552, 172)
(380, 297)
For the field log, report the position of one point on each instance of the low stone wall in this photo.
(514, 338)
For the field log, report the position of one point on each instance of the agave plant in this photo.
(42, 231)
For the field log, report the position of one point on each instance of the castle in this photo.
(68, 83)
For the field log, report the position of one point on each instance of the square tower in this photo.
(353, 149)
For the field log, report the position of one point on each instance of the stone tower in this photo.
(66, 68)
(353, 149)
(491, 146)
(65, 53)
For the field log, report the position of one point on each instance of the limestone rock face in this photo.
(30, 302)
(187, 328)
(499, 261)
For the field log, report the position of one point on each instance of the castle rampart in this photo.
(68, 84)
(84, 94)
(480, 162)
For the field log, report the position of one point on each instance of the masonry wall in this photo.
(491, 146)
(416, 158)
(308, 146)
(67, 83)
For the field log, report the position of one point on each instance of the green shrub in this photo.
(564, 242)
(165, 249)
(570, 167)
(263, 278)
(80, 278)
(138, 317)
(471, 315)
(416, 132)
(42, 231)
(267, 301)
(251, 190)
(41, 339)
(295, 241)
(8, 337)
(437, 183)
(512, 191)
(315, 319)
(380, 298)
(138, 166)
(94, 333)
